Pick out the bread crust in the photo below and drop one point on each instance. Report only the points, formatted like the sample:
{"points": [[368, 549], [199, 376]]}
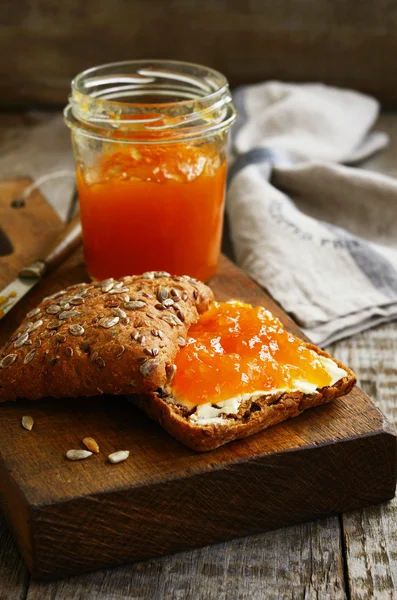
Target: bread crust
{"points": [[120, 348], [269, 410]]}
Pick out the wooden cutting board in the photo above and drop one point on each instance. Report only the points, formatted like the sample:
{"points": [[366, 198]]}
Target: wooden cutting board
{"points": [[74, 517]]}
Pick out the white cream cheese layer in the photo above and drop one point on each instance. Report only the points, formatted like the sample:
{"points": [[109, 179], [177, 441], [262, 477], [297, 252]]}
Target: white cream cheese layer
{"points": [[209, 414]]}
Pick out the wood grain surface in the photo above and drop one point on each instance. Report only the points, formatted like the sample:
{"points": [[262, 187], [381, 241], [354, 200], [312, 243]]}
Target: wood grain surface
{"points": [[332, 41], [370, 534], [303, 561]]}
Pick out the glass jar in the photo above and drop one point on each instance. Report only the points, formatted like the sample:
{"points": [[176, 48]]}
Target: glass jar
{"points": [[150, 142]]}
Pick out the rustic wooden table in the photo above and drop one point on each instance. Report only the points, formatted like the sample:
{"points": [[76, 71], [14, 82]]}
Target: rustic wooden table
{"points": [[353, 555]]}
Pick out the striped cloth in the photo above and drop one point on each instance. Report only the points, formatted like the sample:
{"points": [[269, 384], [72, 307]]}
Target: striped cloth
{"points": [[319, 234]]}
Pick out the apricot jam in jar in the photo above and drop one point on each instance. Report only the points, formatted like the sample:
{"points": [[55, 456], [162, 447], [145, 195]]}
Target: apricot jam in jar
{"points": [[150, 142]]}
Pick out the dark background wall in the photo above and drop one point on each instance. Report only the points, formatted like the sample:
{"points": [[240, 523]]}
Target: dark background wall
{"points": [[43, 43]]}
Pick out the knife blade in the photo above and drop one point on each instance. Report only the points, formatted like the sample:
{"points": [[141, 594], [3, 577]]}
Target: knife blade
{"points": [[56, 251]]}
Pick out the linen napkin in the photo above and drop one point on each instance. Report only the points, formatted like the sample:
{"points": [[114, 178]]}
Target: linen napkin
{"points": [[319, 235]]}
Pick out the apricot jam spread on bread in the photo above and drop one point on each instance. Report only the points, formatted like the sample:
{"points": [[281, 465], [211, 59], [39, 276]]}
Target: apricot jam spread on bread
{"points": [[235, 350]]}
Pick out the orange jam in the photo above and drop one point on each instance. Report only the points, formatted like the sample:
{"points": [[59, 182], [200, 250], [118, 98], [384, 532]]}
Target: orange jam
{"points": [[153, 207], [236, 349]]}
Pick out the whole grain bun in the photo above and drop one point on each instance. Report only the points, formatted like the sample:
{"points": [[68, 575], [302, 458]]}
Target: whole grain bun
{"points": [[113, 336], [253, 415]]}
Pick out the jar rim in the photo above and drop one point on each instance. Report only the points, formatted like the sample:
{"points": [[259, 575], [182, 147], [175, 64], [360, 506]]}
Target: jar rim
{"points": [[201, 99], [178, 63]]}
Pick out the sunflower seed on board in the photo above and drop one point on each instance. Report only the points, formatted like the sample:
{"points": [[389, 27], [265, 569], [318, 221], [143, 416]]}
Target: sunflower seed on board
{"points": [[119, 285], [68, 314], [184, 296], [78, 454], [181, 341], [120, 290], [134, 304], [119, 312], [148, 275], [23, 338], [33, 313], [141, 339], [53, 309], [108, 322], [76, 329], [158, 274], [119, 456], [91, 444], [54, 324], [29, 356], [27, 422], [135, 335], [149, 367]]}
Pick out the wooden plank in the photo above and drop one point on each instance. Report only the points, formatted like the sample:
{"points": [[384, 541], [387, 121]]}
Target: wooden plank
{"points": [[14, 576], [304, 561], [370, 534], [327, 460], [317, 40]]}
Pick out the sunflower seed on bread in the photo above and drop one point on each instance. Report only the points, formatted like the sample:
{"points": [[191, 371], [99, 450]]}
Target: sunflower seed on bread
{"points": [[52, 352]]}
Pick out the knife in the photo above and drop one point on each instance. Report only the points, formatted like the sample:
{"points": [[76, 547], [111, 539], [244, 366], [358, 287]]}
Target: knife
{"points": [[56, 251]]}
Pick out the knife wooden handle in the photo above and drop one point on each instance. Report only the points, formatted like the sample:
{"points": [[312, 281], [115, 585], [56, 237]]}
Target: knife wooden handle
{"points": [[57, 250]]}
